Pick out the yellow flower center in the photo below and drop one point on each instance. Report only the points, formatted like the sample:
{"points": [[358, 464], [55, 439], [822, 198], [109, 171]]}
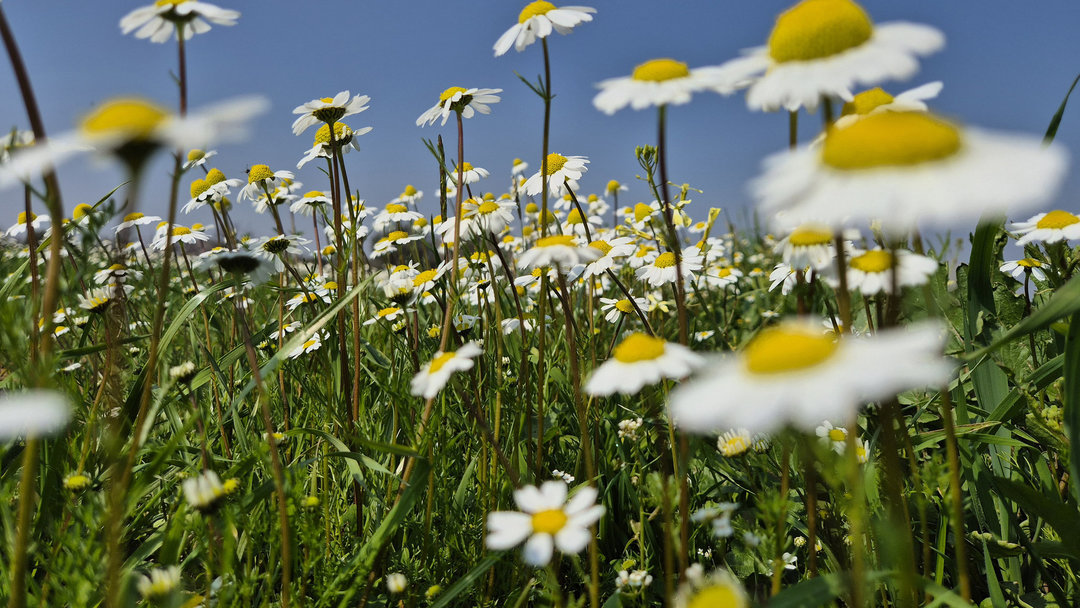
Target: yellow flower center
{"points": [[195, 155], [215, 176], [813, 29], [723, 272], [716, 596], [396, 208], [665, 260], [873, 261], [308, 345], [81, 211], [624, 306], [642, 211], [397, 235], [867, 102], [555, 162], [131, 216], [258, 173], [639, 347], [387, 311], [180, 231], [735, 445], [424, 277], [326, 99], [642, 251], [533, 9], [659, 70], [169, 2], [532, 208], [1057, 219], [22, 217], [448, 93], [438, 362], [549, 521], [564, 240], [602, 245], [487, 207], [808, 236], [341, 132], [133, 118], [410, 190], [574, 217], [420, 222], [786, 349], [837, 435], [613, 186], [198, 187], [330, 285], [890, 139], [1029, 263]]}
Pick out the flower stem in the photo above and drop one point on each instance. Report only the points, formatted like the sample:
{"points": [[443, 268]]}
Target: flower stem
{"points": [[22, 525]]}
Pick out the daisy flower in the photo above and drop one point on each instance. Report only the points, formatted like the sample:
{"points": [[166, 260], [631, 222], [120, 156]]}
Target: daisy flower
{"points": [[180, 234], [313, 343], [306, 205], [469, 173], [488, 216], [273, 248], [640, 360], [185, 18], [518, 168], [209, 189], [409, 196], [610, 249], [1023, 266], [204, 491], [1051, 227], [659, 82], [434, 375], [871, 271], [796, 374], [717, 589], [662, 270], [328, 110], [537, 20], [559, 249], [345, 137], [559, 169], [877, 100], [722, 276], [459, 99], [19, 227], [394, 213], [389, 314], [546, 521], [904, 168], [32, 413], [389, 243], [262, 178], [734, 443], [425, 280], [132, 128], [159, 583], [822, 48], [809, 245], [618, 309], [197, 157], [835, 437]]}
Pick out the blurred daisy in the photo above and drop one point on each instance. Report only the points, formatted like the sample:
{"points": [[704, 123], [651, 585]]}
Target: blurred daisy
{"points": [[204, 491], [659, 82], [559, 169], [459, 99], [734, 443], [198, 158], [903, 168], [537, 20], [32, 413], [312, 344], [131, 129], [559, 249], [618, 309], [640, 360], [547, 520], [822, 48], [328, 110], [1024, 266], [389, 314], [307, 204], [717, 589], [796, 374], [662, 270], [871, 272], [393, 214], [1051, 227], [180, 235], [409, 196], [389, 243], [434, 375], [833, 436], [809, 245], [876, 100], [185, 18], [159, 583], [19, 227]]}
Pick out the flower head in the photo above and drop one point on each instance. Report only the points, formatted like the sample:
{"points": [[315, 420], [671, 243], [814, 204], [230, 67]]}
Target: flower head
{"points": [[434, 375], [328, 110], [659, 82], [461, 100], [184, 17], [537, 20], [640, 360], [546, 521]]}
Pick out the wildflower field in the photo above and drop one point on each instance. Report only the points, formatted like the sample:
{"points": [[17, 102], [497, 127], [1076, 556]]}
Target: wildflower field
{"points": [[548, 387]]}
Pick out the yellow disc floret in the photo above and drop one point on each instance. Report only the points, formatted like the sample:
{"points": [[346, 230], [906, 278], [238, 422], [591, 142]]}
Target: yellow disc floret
{"points": [[890, 139], [80, 211], [813, 29], [215, 176], [131, 118], [555, 162], [198, 187], [1057, 219], [438, 362], [717, 596], [639, 347], [533, 9], [787, 349], [396, 208], [664, 260], [564, 240], [450, 92], [873, 261], [549, 521], [807, 236], [258, 173], [659, 70], [625, 306], [602, 245], [867, 102]]}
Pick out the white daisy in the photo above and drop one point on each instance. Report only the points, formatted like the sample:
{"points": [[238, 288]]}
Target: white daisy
{"points": [[559, 169], [662, 270], [1051, 227], [877, 100], [809, 245], [659, 82], [388, 314], [459, 99], [328, 110], [307, 204], [180, 234], [558, 249], [273, 248], [32, 413], [547, 520], [198, 158], [393, 214], [159, 583], [620, 309], [469, 173], [163, 18], [537, 20], [720, 588], [312, 344], [640, 360], [210, 189], [19, 227], [870, 272], [611, 250], [822, 48], [1023, 266], [796, 374], [203, 491], [903, 168], [409, 196], [345, 138], [434, 375], [488, 216]]}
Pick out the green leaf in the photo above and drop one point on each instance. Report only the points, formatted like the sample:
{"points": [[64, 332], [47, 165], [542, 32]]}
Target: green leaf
{"points": [[466, 581], [1064, 302], [1071, 398], [370, 551], [1055, 120]]}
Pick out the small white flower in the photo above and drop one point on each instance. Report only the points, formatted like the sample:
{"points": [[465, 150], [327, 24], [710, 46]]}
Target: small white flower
{"points": [[396, 583], [34, 413], [546, 521], [640, 360], [459, 99], [434, 375], [537, 20]]}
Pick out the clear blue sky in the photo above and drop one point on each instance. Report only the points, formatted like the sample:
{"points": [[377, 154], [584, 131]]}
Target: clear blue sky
{"points": [[1006, 65]]}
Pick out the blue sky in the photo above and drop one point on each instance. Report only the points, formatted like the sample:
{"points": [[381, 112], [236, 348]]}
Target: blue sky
{"points": [[1006, 65]]}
